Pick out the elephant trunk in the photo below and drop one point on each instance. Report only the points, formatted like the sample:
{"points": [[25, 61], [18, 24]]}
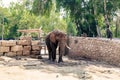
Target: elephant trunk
{"points": [[63, 47]]}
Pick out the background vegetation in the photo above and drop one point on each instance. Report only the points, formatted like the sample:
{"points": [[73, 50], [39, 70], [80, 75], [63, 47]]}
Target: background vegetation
{"points": [[74, 17]]}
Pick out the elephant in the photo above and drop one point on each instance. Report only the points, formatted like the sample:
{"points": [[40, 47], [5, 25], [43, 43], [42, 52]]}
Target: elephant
{"points": [[53, 40]]}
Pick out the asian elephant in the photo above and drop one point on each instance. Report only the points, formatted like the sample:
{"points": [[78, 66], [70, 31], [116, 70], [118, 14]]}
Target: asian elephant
{"points": [[53, 40]]}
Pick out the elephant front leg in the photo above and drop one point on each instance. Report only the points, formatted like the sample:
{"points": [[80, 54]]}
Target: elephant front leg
{"points": [[60, 57], [49, 53], [50, 57], [53, 54]]}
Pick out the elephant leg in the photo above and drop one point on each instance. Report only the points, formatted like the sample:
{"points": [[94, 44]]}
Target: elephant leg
{"points": [[49, 50], [60, 57], [50, 54], [53, 52]]}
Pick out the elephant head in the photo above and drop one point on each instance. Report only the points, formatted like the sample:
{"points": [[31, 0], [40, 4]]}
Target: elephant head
{"points": [[56, 39]]}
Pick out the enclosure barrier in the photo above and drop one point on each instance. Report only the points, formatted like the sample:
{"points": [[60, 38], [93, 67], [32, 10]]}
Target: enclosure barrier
{"points": [[21, 47], [95, 48]]}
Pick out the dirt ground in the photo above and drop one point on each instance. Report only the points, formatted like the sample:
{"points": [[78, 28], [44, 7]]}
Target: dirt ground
{"points": [[43, 69]]}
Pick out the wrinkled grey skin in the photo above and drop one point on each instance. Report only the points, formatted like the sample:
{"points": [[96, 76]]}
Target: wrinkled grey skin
{"points": [[53, 40]]}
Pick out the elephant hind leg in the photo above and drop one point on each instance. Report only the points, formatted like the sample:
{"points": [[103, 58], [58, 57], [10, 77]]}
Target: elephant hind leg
{"points": [[54, 54], [49, 52]]}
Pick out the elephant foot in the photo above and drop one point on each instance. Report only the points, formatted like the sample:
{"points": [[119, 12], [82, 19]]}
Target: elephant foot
{"points": [[49, 58], [53, 60], [40, 57], [60, 60]]}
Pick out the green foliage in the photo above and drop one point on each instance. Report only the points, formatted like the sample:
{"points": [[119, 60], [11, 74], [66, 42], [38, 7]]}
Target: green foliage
{"points": [[85, 13], [3, 21], [71, 29], [19, 16], [13, 32], [82, 16], [50, 23], [29, 21], [41, 7]]}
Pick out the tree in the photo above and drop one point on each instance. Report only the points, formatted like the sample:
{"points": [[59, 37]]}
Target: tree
{"points": [[85, 13], [3, 22], [117, 24], [41, 7]]}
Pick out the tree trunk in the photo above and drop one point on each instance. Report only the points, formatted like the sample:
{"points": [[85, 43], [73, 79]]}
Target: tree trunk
{"points": [[117, 26], [116, 30], [98, 31], [105, 15], [97, 27]]}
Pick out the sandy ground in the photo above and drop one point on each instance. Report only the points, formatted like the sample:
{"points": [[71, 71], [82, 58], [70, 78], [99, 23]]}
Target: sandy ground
{"points": [[43, 69]]}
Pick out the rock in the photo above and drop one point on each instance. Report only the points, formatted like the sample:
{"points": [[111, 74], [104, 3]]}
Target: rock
{"points": [[16, 48], [27, 48], [24, 42], [26, 52], [36, 47], [57, 76], [28, 38], [8, 43], [35, 52], [36, 42], [1, 59], [10, 54], [1, 53], [4, 49], [19, 53]]}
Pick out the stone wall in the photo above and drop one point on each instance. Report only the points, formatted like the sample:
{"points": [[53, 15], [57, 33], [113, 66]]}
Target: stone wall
{"points": [[95, 48], [13, 48]]}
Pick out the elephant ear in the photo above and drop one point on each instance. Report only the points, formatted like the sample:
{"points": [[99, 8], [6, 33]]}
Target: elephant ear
{"points": [[52, 37]]}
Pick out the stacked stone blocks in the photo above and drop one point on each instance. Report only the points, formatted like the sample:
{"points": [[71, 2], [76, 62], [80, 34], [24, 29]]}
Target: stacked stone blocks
{"points": [[19, 47]]}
